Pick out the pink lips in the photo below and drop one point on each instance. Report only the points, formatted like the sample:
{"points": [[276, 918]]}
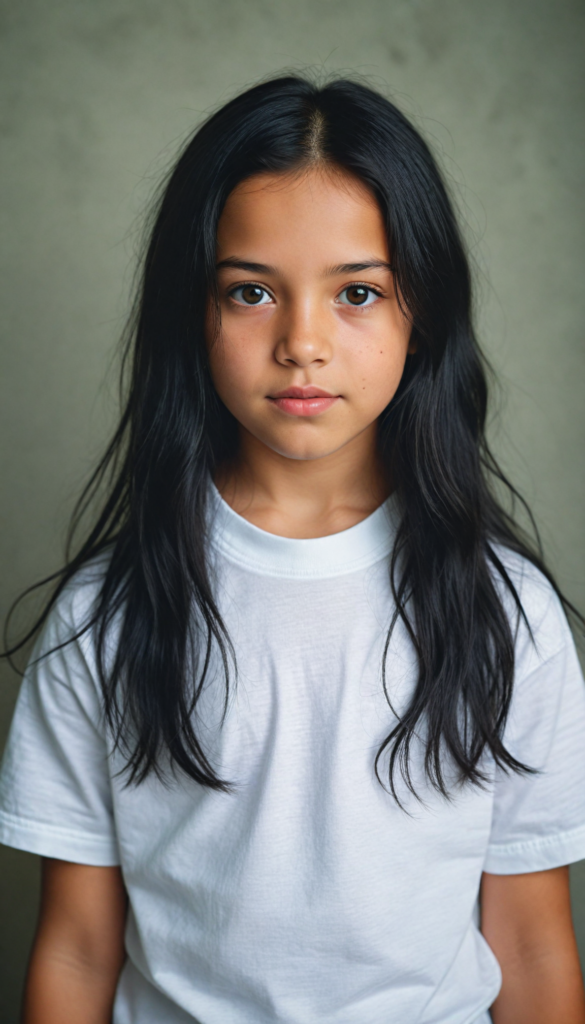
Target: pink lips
{"points": [[305, 401]]}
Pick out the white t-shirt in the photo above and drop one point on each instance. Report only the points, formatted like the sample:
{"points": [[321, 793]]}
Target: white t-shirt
{"points": [[307, 895]]}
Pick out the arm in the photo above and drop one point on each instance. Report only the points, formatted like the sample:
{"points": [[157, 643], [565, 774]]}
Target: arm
{"points": [[78, 949], [526, 919]]}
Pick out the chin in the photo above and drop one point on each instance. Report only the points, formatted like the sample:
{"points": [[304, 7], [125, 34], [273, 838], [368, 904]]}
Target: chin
{"points": [[303, 452]]}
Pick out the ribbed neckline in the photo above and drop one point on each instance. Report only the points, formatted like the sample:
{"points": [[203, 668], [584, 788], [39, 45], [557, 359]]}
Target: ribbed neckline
{"points": [[267, 554]]}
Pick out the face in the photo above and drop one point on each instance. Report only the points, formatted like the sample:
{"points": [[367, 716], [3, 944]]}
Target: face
{"points": [[312, 342]]}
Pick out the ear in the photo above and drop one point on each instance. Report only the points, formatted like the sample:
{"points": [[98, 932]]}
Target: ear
{"points": [[412, 345]]}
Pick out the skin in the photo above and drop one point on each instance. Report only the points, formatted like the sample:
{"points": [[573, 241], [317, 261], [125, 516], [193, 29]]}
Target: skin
{"points": [[303, 476], [526, 920], [78, 951]]}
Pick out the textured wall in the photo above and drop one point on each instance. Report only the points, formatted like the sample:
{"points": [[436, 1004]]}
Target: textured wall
{"points": [[96, 97]]}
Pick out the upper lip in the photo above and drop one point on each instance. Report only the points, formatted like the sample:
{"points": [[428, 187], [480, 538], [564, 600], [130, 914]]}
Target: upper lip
{"points": [[309, 391]]}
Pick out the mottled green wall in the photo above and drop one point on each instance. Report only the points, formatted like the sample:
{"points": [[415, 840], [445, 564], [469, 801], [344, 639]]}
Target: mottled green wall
{"points": [[96, 96]]}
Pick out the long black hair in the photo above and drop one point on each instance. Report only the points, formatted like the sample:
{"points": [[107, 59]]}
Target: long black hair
{"points": [[447, 577]]}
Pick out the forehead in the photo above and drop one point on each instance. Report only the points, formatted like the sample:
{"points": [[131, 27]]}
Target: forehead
{"points": [[320, 214]]}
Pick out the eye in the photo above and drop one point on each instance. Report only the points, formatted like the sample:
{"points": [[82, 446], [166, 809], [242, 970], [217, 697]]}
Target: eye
{"points": [[251, 295], [358, 295]]}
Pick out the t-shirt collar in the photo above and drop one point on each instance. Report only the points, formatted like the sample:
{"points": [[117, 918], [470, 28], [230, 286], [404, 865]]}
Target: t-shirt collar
{"points": [[317, 558]]}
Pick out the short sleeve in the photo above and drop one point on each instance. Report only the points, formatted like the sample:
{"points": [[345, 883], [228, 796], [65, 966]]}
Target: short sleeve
{"points": [[539, 819], [55, 793]]}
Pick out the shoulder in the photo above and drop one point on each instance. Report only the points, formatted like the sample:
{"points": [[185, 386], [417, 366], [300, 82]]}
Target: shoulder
{"points": [[70, 619], [62, 680], [541, 628]]}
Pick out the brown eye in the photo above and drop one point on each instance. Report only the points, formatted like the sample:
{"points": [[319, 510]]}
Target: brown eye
{"points": [[250, 295], [357, 295]]}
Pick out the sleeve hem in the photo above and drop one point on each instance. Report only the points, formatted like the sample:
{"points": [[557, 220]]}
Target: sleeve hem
{"points": [[47, 841], [536, 854]]}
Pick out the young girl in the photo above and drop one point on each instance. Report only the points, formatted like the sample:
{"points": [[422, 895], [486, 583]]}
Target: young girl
{"points": [[303, 737]]}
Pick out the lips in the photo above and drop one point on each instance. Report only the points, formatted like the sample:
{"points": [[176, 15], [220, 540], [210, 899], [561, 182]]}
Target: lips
{"points": [[309, 391], [303, 401]]}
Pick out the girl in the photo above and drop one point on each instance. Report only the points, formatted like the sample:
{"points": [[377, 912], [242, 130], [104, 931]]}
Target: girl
{"points": [[305, 692]]}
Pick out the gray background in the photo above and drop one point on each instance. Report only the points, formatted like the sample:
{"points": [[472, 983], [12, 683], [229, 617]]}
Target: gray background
{"points": [[96, 97]]}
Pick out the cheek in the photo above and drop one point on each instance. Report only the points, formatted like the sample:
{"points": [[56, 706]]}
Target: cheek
{"points": [[376, 369], [235, 369]]}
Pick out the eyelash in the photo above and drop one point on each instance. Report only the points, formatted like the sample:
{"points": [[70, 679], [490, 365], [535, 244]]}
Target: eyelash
{"points": [[361, 284], [248, 284], [254, 284]]}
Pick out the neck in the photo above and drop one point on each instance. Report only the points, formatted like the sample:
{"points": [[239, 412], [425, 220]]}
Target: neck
{"points": [[304, 497]]}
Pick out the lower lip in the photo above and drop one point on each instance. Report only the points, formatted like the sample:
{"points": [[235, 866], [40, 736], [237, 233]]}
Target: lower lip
{"points": [[304, 406]]}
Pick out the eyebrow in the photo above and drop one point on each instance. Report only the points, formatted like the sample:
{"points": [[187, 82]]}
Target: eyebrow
{"points": [[357, 268], [237, 264], [341, 268]]}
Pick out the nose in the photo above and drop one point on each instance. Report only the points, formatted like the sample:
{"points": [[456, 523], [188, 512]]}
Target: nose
{"points": [[303, 337]]}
